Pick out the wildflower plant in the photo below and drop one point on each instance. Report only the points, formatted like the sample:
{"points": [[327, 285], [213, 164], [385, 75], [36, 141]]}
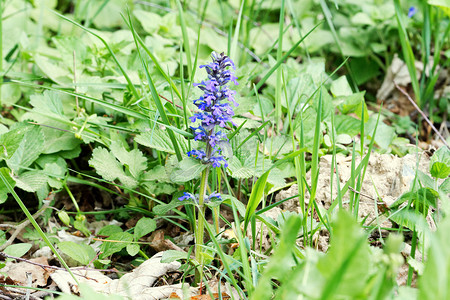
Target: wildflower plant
{"points": [[215, 115]]}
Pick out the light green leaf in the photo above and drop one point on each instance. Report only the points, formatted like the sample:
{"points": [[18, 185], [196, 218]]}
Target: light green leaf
{"points": [[435, 282], [82, 253], [173, 255], [255, 197], [3, 189], [31, 181], [440, 163], [187, 169], [109, 230], [143, 227], [346, 266], [133, 249], [109, 168], [17, 250], [28, 151], [135, 160], [118, 240]]}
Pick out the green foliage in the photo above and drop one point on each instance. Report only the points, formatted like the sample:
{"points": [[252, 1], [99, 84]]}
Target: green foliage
{"points": [[96, 98]]}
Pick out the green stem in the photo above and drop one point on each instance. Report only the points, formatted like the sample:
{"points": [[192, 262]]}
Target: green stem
{"points": [[200, 229]]}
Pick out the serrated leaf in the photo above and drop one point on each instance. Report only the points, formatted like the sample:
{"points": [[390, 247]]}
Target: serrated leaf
{"points": [[17, 250], [28, 151], [107, 166], [82, 253], [143, 227], [440, 170], [118, 240], [134, 159], [238, 170], [187, 169], [31, 181], [159, 139]]}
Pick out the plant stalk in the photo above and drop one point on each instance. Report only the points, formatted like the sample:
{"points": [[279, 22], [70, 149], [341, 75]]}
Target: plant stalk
{"points": [[200, 229]]}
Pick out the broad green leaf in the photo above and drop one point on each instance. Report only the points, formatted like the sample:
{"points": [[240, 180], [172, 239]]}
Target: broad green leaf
{"points": [[346, 265], [82, 253], [118, 240], [173, 255], [238, 170], [28, 151], [435, 282], [134, 159], [109, 168], [280, 260], [31, 181], [18, 250], [440, 170], [187, 169], [162, 209], [440, 163], [341, 87], [159, 139], [3, 189], [143, 227], [133, 249], [109, 230], [445, 186]]}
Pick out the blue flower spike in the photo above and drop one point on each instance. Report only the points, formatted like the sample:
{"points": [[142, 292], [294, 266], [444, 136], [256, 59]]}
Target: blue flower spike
{"points": [[215, 112]]}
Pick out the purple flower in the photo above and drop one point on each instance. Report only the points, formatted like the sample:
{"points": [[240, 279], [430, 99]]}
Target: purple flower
{"points": [[214, 112], [412, 11], [187, 196]]}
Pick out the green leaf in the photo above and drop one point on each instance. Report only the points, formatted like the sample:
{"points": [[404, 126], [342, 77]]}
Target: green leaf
{"points": [[440, 163], [255, 198], [187, 169], [3, 189], [173, 255], [28, 151], [435, 282], [280, 260], [82, 253], [118, 240], [159, 139], [134, 160], [32, 181], [445, 186], [440, 170], [109, 230], [133, 249], [143, 227], [17, 250], [109, 168], [346, 266]]}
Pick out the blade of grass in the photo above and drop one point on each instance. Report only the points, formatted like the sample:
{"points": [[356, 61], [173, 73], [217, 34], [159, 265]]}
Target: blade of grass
{"points": [[255, 198], [155, 94], [278, 110], [408, 54], [187, 48], [328, 17], [130, 84], [234, 42], [36, 226], [279, 62]]}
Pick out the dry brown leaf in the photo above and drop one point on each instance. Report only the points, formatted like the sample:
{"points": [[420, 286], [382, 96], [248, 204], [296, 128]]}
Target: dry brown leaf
{"points": [[135, 285], [17, 272]]}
